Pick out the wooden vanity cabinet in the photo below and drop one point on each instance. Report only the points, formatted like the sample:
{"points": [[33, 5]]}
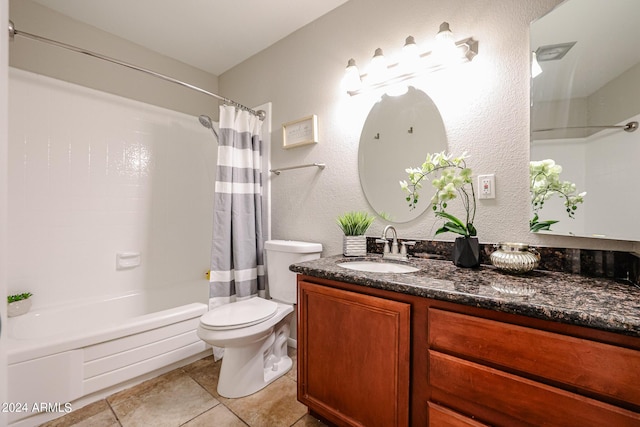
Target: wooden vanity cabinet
{"points": [[354, 369], [469, 367]]}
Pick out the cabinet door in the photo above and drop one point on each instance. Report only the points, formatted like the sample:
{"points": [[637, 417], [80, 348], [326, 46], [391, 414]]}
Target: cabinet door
{"points": [[353, 356]]}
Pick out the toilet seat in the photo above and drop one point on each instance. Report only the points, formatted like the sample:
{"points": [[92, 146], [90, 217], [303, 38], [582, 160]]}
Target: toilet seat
{"points": [[239, 314]]}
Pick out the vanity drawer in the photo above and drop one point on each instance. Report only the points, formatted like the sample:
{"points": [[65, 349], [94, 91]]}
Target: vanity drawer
{"points": [[442, 417], [460, 385], [599, 368]]}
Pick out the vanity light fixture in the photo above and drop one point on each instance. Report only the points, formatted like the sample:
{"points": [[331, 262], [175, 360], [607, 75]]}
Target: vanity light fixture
{"points": [[412, 63]]}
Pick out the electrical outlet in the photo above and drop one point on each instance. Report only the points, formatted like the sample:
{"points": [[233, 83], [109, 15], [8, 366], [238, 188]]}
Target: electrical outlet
{"points": [[486, 186]]}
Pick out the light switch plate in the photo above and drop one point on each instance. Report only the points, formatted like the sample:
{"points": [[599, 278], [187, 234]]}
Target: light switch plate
{"points": [[486, 186]]}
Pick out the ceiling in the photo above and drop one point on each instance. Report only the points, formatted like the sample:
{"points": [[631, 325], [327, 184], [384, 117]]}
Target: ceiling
{"points": [[212, 35]]}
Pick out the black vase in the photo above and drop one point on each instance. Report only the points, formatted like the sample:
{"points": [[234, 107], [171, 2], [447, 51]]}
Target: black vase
{"points": [[466, 252]]}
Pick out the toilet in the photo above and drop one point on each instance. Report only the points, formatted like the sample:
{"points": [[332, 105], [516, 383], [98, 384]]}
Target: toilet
{"points": [[254, 332]]}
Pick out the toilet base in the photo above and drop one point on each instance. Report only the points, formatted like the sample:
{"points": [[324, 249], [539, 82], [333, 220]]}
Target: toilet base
{"points": [[250, 368]]}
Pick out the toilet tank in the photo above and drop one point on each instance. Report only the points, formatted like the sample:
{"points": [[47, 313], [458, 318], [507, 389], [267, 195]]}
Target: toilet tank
{"points": [[280, 254]]}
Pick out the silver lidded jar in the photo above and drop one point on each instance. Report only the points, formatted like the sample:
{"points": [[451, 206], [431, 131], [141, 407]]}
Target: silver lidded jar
{"points": [[515, 257]]}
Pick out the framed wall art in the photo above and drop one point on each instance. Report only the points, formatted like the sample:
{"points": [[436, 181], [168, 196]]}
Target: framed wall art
{"points": [[300, 132]]}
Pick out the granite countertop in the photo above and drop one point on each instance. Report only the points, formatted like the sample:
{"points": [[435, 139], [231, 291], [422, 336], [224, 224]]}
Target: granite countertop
{"points": [[568, 298]]}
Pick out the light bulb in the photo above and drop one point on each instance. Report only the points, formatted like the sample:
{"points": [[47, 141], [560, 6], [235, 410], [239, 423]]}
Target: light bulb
{"points": [[410, 57], [351, 80], [377, 71], [445, 52]]}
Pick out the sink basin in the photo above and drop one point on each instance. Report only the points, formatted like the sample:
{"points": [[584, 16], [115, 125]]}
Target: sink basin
{"points": [[378, 267]]}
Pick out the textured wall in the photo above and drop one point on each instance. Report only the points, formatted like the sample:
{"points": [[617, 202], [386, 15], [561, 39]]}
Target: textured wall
{"points": [[484, 105]]}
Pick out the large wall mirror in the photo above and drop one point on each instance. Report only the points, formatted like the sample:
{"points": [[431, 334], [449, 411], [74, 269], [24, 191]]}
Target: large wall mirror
{"points": [[397, 134], [587, 92]]}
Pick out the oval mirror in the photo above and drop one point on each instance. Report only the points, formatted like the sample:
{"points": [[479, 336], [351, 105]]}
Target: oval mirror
{"points": [[398, 134]]}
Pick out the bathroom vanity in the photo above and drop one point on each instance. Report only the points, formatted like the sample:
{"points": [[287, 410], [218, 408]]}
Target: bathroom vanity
{"points": [[466, 347]]}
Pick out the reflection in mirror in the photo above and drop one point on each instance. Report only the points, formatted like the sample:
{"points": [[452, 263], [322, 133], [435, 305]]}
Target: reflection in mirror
{"points": [[584, 90], [398, 134]]}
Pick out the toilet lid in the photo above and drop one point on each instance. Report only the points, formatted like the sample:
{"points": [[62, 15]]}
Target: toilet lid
{"points": [[239, 314]]}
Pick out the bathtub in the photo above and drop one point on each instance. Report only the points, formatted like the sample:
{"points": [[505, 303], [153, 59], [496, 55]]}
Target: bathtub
{"points": [[58, 357]]}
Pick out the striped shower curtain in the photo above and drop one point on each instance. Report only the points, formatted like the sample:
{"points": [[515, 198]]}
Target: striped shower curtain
{"points": [[237, 266]]}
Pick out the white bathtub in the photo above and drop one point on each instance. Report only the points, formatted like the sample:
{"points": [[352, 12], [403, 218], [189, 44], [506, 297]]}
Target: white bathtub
{"points": [[58, 356]]}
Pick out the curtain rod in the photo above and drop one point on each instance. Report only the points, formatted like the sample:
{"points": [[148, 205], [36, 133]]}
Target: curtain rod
{"points": [[629, 127], [13, 32]]}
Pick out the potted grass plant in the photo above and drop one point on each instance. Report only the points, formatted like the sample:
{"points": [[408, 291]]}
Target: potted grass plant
{"points": [[18, 304], [354, 224]]}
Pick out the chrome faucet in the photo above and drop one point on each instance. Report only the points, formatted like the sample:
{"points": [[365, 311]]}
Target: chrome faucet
{"points": [[393, 252], [394, 243]]}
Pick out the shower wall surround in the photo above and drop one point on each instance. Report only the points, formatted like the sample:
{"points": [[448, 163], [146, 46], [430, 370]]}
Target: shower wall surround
{"points": [[92, 175]]}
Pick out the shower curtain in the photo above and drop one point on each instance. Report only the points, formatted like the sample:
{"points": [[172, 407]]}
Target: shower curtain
{"points": [[237, 263]]}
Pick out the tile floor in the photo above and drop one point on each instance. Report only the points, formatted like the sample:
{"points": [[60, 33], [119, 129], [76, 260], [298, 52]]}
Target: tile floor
{"points": [[187, 397]]}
